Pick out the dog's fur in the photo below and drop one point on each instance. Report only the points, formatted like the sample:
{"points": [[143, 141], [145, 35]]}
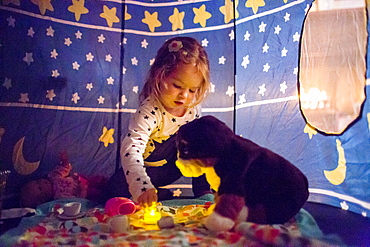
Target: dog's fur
{"points": [[272, 189]]}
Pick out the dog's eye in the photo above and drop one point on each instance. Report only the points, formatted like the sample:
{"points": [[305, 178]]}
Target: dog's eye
{"points": [[184, 147]]}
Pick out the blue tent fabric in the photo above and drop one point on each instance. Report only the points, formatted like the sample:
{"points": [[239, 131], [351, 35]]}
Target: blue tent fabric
{"points": [[71, 71]]}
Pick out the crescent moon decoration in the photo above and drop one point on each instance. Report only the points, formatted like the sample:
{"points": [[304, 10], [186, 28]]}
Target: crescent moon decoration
{"points": [[338, 175], [21, 165]]}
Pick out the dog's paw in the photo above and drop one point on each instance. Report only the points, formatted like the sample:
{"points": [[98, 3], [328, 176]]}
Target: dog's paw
{"points": [[217, 223]]}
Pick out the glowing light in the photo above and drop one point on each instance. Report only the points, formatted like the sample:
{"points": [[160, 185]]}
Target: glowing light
{"points": [[151, 215], [314, 98]]}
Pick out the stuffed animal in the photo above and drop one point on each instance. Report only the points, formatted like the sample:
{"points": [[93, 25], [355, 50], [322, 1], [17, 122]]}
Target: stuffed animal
{"points": [[256, 184]]}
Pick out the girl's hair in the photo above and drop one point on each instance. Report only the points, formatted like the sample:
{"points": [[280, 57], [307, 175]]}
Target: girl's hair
{"points": [[168, 60]]}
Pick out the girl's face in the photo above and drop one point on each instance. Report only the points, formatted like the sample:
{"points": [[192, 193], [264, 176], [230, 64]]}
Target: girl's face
{"points": [[179, 89]]}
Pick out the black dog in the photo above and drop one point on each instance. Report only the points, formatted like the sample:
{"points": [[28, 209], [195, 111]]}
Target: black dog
{"points": [[272, 189]]}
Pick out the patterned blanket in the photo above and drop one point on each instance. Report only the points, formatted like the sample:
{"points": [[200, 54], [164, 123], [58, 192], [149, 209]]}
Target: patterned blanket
{"points": [[92, 228]]}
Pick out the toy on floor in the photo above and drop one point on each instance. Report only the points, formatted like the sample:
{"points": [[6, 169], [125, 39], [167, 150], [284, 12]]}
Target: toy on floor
{"points": [[256, 184], [61, 183], [119, 206]]}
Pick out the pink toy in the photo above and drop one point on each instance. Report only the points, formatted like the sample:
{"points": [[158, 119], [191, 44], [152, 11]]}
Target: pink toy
{"points": [[119, 206]]}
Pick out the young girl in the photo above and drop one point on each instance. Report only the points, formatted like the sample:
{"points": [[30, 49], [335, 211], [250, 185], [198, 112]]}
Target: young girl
{"points": [[177, 82]]}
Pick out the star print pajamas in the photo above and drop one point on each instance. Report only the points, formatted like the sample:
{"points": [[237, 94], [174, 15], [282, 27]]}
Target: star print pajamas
{"points": [[148, 152]]}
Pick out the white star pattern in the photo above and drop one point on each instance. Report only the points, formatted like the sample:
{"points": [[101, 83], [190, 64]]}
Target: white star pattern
{"points": [[134, 61], [67, 41], [262, 89], [75, 98], [242, 99], [344, 205], [101, 38], [89, 86], [296, 37], [287, 17], [230, 91], [108, 58], [110, 81], [55, 73], [30, 32], [232, 35], [123, 100], [284, 52], [295, 71], [262, 27], [78, 34], [213, 87], [75, 65], [7, 83], [245, 61], [50, 31], [205, 42], [11, 21], [144, 44], [277, 29], [89, 57], [24, 98], [283, 87], [266, 67], [247, 35], [307, 8], [101, 100], [54, 54], [50, 94], [28, 58]]}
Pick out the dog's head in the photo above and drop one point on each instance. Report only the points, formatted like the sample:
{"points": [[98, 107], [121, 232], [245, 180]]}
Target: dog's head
{"points": [[206, 137]]}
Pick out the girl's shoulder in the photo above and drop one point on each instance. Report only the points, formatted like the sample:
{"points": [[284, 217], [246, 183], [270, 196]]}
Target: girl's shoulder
{"points": [[149, 102]]}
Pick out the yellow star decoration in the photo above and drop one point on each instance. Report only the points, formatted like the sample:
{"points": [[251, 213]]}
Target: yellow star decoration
{"points": [[177, 19], [107, 136], [228, 11], [127, 15], [151, 20], [309, 130], [109, 15], [78, 8], [177, 192], [254, 4], [285, 1], [43, 5], [201, 15]]}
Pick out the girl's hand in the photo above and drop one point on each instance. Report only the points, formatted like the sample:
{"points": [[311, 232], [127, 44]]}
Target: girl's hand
{"points": [[147, 198]]}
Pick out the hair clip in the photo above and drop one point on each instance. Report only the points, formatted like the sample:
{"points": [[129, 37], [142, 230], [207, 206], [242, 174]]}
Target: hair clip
{"points": [[175, 46]]}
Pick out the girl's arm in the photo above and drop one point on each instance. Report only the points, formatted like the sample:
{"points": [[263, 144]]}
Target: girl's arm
{"points": [[143, 123]]}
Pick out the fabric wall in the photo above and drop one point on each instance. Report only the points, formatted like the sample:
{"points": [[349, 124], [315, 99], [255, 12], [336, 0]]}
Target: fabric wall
{"points": [[71, 71]]}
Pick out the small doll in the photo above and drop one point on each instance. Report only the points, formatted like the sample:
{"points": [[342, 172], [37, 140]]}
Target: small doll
{"points": [[60, 183]]}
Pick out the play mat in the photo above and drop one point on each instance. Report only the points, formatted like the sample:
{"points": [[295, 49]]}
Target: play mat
{"points": [[92, 228]]}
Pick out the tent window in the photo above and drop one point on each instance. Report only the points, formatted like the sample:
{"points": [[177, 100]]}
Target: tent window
{"points": [[332, 64]]}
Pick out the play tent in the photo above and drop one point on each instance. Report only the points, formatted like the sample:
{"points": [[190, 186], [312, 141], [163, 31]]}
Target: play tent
{"points": [[71, 71]]}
